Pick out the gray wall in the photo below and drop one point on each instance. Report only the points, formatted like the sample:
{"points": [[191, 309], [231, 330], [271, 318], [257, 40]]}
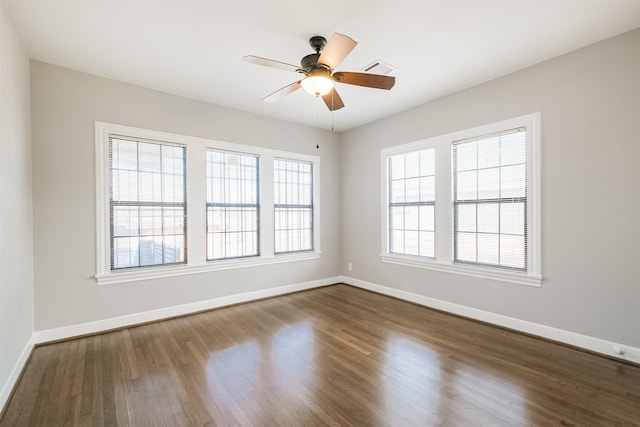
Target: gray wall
{"points": [[65, 104], [590, 105], [16, 238]]}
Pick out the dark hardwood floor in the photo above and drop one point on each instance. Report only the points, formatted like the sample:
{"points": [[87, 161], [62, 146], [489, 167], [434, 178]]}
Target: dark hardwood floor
{"points": [[330, 356]]}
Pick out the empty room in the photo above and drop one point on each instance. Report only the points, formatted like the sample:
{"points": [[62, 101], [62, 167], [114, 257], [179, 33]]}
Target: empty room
{"points": [[301, 213]]}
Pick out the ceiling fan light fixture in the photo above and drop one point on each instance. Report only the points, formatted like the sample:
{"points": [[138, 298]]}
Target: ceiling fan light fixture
{"points": [[317, 84]]}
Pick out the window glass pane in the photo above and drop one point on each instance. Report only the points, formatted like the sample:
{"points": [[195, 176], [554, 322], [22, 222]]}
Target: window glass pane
{"points": [[411, 244], [125, 185], [149, 158], [411, 218], [145, 231], [427, 218], [467, 185], [489, 153], [488, 218], [151, 221], [488, 183], [125, 252], [397, 191], [427, 162], [488, 249], [125, 221], [513, 181], [466, 218], [512, 251], [171, 247], [513, 148], [466, 247], [412, 165], [397, 217], [125, 155], [428, 189], [397, 167], [512, 218], [397, 241], [466, 156], [427, 244], [412, 190]]}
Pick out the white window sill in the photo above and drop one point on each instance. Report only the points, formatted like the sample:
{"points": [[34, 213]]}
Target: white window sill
{"points": [[465, 270], [133, 275]]}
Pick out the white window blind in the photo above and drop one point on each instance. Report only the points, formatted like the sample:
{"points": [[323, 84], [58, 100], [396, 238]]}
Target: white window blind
{"points": [[411, 203], [232, 205], [490, 200], [147, 203], [293, 206]]}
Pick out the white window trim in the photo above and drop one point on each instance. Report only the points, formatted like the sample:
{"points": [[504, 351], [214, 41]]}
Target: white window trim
{"points": [[444, 199], [196, 207]]}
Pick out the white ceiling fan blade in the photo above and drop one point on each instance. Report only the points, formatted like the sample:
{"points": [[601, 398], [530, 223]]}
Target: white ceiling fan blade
{"points": [[337, 48], [270, 63], [282, 92]]}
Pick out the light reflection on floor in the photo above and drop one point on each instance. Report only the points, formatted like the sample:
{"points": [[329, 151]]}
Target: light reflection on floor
{"points": [[244, 372], [292, 351], [429, 383], [488, 391], [416, 379], [410, 364]]}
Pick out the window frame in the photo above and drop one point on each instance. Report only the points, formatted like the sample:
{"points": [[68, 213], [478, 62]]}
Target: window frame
{"points": [[140, 203], [459, 203], [417, 204], [195, 226], [296, 206], [255, 205], [444, 245]]}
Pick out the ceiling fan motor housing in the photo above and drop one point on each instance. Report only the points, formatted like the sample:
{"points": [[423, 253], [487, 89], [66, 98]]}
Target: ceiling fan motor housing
{"points": [[309, 62]]}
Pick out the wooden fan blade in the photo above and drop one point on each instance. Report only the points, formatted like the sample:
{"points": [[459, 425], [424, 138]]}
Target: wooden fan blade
{"points": [[375, 81], [270, 63], [337, 48], [281, 93], [332, 100]]}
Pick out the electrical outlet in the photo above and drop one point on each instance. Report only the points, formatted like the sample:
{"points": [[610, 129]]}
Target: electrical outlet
{"points": [[349, 266]]}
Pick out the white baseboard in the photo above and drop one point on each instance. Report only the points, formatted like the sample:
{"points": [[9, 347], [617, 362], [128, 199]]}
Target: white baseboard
{"points": [[11, 381], [71, 331], [586, 342]]}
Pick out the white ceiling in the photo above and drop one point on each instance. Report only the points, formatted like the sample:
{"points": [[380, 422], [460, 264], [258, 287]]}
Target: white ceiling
{"points": [[194, 48]]}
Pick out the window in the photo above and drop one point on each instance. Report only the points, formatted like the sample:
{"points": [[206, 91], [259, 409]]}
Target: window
{"points": [[479, 191], [490, 200], [412, 203], [169, 205], [232, 205], [147, 203], [293, 206]]}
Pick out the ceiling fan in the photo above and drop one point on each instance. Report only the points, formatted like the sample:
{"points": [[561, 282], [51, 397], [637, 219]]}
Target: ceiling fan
{"points": [[318, 69]]}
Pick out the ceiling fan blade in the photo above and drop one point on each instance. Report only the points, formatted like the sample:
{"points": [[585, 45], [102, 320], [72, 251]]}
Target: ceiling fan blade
{"points": [[337, 48], [332, 100], [375, 81], [270, 63], [281, 93]]}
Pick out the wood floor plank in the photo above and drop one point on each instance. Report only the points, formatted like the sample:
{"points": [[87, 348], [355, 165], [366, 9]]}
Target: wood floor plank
{"points": [[336, 356]]}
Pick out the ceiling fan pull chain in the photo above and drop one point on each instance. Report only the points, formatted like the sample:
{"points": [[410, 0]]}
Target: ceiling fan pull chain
{"points": [[317, 122], [332, 96]]}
